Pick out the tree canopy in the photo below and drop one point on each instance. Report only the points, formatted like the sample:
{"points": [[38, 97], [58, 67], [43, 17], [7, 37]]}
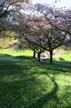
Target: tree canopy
{"points": [[46, 28]]}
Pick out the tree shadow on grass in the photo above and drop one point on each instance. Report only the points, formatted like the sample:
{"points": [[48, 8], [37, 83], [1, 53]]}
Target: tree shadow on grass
{"points": [[29, 63], [60, 62], [63, 62], [14, 67], [42, 100], [19, 86], [17, 93], [25, 93]]}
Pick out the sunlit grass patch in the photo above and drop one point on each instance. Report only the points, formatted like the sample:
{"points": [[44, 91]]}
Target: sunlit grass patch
{"points": [[12, 52], [64, 56]]}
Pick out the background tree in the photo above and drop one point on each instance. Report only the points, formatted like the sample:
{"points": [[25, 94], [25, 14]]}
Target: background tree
{"points": [[45, 27], [5, 7], [58, 33]]}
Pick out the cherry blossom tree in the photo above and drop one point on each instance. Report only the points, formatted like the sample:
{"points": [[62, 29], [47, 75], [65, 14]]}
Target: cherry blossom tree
{"points": [[45, 27]]}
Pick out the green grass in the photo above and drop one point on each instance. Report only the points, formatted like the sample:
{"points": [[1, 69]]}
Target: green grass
{"points": [[26, 83], [16, 52], [65, 56]]}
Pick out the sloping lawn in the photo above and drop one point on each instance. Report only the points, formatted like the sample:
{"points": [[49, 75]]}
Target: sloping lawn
{"points": [[16, 52], [65, 56], [26, 83]]}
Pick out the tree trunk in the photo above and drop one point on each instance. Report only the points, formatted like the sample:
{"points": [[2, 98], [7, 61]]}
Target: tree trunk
{"points": [[38, 55], [34, 54], [51, 56]]}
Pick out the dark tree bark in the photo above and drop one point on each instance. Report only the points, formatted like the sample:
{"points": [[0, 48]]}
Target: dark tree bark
{"points": [[34, 54], [51, 56], [38, 56]]}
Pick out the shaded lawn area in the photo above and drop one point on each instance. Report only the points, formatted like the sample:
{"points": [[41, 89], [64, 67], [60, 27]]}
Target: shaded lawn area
{"points": [[30, 84]]}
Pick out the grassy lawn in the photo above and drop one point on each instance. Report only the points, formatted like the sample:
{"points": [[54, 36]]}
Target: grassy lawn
{"points": [[17, 52], [26, 83], [65, 56]]}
